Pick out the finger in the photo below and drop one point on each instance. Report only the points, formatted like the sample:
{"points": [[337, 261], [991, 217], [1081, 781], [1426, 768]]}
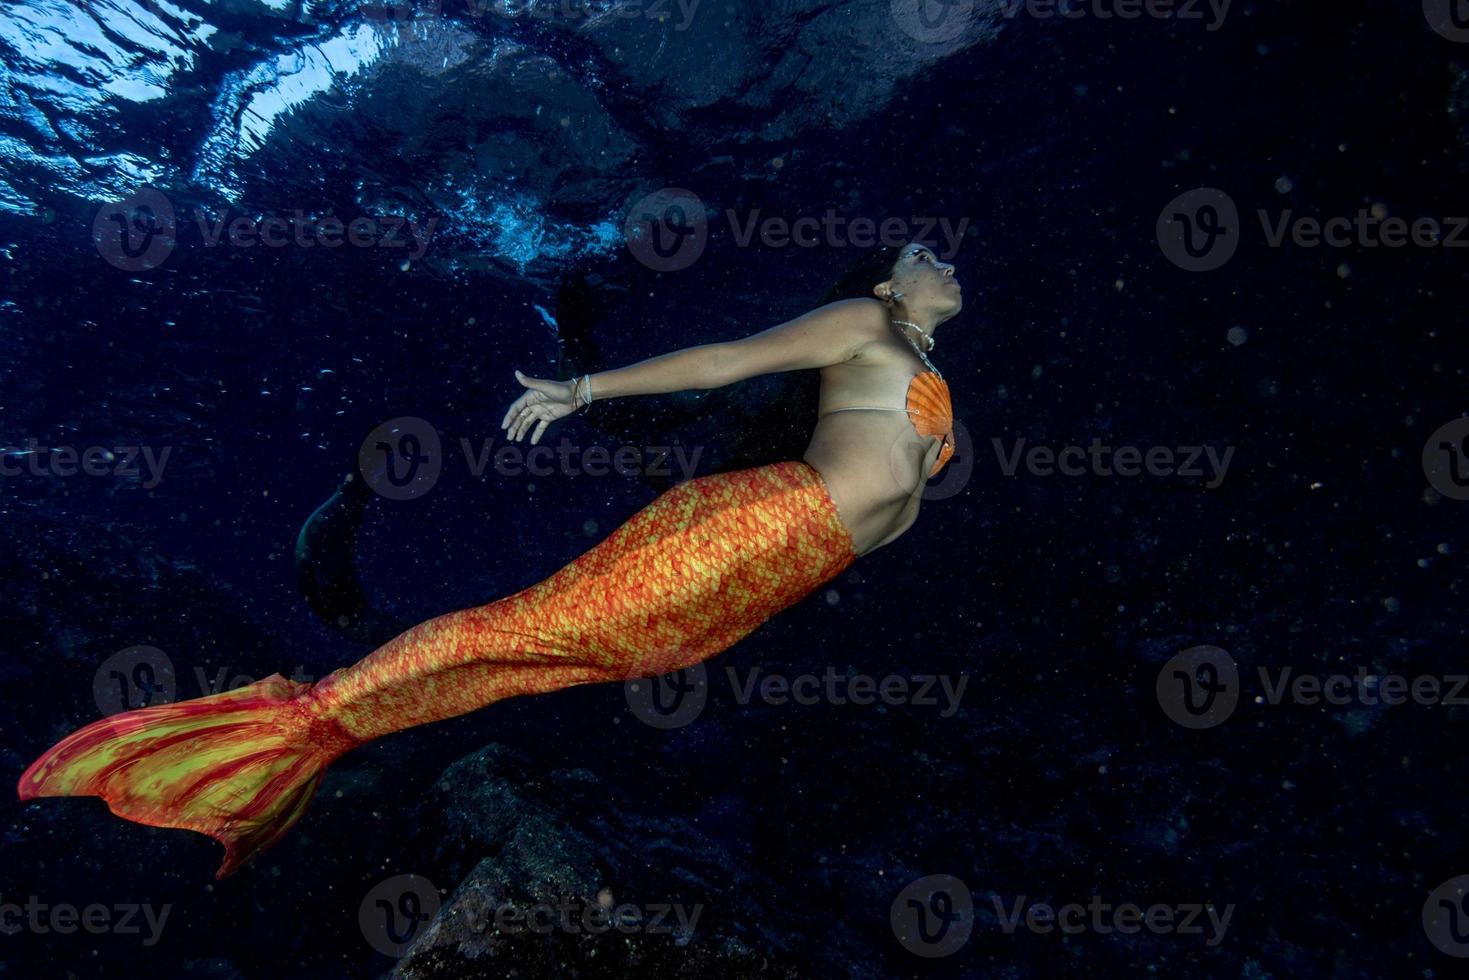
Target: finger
{"points": [[540, 430], [529, 412], [514, 409], [527, 419], [536, 384]]}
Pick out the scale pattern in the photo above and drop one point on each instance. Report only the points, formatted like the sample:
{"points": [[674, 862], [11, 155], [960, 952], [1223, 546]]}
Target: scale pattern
{"points": [[686, 577]]}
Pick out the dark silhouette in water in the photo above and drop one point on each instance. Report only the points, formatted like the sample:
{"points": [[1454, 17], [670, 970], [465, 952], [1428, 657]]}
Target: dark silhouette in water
{"points": [[326, 571]]}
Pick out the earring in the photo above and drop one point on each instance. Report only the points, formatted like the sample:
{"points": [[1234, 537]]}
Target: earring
{"points": [[894, 296]]}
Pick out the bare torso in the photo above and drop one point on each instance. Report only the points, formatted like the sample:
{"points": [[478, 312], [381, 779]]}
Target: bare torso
{"points": [[874, 462]]}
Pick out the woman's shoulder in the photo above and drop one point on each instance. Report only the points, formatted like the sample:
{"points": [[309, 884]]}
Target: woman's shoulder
{"points": [[865, 310], [864, 318]]}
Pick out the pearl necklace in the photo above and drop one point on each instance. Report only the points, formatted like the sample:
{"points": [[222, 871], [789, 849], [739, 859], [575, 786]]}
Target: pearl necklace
{"points": [[916, 349]]}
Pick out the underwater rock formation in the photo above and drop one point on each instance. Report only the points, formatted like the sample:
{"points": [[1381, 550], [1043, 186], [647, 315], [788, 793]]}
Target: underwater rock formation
{"points": [[563, 880]]}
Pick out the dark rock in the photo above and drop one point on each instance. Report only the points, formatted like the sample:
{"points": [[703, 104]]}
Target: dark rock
{"points": [[625, 891]]}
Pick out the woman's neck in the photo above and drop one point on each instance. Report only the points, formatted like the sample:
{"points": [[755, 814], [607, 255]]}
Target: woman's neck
{"points": [[915, 325]]}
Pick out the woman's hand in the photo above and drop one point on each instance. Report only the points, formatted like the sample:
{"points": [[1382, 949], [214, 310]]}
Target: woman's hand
{"points": [[544, 402]]}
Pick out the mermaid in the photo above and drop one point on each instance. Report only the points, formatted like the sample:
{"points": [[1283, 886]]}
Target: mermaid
{"points": [[685, 578]]}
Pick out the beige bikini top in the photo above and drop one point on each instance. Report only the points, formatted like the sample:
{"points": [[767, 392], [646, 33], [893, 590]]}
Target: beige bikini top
{"points": [[929, 409]]}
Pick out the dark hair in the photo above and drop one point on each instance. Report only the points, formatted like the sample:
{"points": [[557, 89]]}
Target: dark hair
{"points": [[872, 267], [780, 428]]}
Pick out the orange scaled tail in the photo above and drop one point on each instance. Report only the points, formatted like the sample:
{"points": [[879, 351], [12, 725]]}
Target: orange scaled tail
{"points": [[239, 766], [683, 579]]}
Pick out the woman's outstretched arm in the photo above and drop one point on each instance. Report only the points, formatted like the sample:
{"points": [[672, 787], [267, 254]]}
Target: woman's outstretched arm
{"points": [[827, 335]]}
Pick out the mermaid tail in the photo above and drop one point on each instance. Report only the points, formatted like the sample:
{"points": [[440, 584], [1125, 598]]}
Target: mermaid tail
{"points": [[239, 766], [686, 577]]}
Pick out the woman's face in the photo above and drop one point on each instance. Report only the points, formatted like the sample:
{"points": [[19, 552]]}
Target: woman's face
{"points": [[926, 283]]}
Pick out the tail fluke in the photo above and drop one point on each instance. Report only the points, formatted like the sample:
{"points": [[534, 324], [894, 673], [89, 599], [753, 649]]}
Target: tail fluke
{"points": [[239, 766]]}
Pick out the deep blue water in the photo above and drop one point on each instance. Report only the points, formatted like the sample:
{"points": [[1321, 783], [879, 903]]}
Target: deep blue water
{"points": [[524, 134]]}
